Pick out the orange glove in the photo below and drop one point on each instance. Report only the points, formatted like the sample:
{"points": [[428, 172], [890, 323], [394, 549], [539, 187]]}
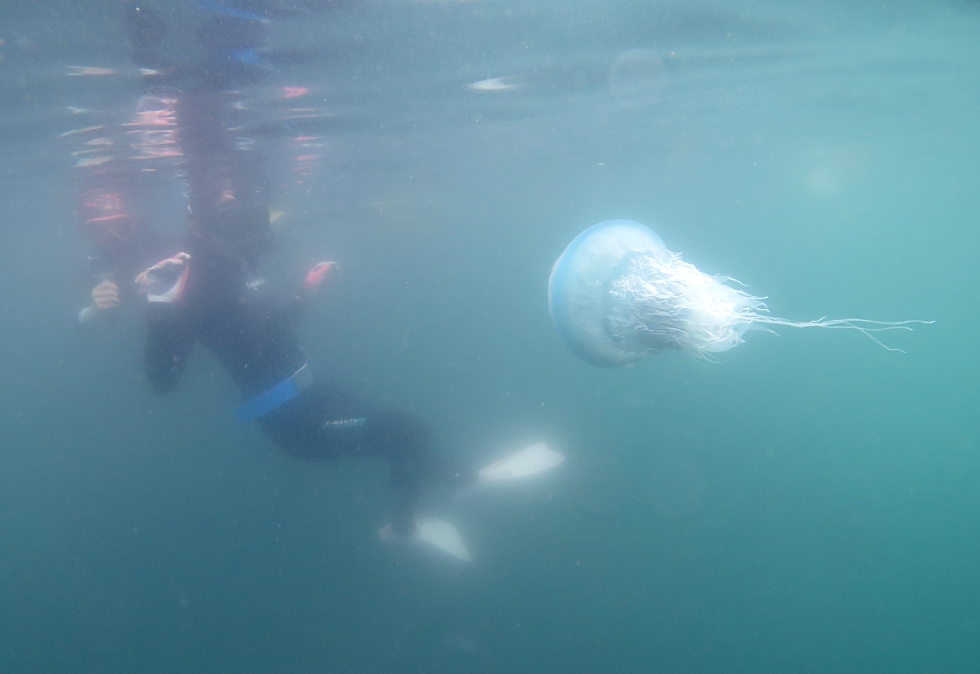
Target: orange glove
{"points": [[317, 274], [164, 281]]}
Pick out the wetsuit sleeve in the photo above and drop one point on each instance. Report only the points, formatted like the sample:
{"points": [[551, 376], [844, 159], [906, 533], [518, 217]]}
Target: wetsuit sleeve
{"points": [[294, 308], [168, 344]]}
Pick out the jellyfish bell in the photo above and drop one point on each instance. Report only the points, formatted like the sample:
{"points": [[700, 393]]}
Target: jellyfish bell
{"points": [[617, 294], [579, 287]]}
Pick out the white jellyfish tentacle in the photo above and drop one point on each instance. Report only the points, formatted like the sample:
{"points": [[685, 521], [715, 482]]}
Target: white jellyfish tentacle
{"points": [[661, 302], [862, 325]]}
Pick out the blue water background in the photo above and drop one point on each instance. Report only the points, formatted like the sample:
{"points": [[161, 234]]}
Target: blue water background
{"points": [[810, 503]]}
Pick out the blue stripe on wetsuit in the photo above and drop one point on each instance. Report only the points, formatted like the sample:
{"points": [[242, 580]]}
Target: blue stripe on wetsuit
{"points": [[274, 397]]}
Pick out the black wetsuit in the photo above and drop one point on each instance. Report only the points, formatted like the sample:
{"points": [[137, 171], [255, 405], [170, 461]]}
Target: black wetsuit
{"points": [[252, 332], [245, 325]]}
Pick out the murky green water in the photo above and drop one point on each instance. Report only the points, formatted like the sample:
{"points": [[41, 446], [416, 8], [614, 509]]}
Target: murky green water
{"points": [[809, 503]]}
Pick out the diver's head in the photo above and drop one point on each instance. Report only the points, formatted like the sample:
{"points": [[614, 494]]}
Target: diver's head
{"points": [[239, 233]]}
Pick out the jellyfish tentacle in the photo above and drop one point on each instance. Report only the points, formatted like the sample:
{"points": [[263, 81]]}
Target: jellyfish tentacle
{"points": [[662, 302], [863, 325]]}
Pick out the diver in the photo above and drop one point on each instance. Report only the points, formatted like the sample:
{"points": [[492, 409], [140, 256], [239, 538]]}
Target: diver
{"points": [[211, 295], [128, 195], [130, 172], [210, 292]]}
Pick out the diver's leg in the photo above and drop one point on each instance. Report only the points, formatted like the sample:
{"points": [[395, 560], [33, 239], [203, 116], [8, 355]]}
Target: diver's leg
{"points": [[324, 423], [403, 441]]}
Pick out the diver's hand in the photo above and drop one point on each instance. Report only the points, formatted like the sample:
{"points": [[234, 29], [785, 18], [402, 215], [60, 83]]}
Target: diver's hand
{"points": [[317, 275], [164, 281], [105, 297]]}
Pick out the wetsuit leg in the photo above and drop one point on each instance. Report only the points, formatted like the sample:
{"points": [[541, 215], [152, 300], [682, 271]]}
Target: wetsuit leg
{"points": [[404, 442], [324, 423]]}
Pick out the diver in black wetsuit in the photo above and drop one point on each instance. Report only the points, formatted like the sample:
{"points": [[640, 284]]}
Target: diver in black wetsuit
{"points": [[121, 166], [197, 60], [210, 296], [210, 293]]}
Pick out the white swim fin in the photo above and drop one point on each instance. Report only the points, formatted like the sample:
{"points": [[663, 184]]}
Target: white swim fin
{"points": [[530, 461], [431, 532]]}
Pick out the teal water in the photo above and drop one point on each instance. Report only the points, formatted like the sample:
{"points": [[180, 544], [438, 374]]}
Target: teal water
{"points": [[809, 503]]}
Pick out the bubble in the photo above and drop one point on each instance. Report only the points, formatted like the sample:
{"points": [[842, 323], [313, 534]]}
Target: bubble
{"points": [[676, 488], [637, 79]]}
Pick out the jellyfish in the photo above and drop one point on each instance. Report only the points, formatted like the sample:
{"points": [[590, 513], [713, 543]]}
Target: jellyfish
{"points": [[617, 294]]}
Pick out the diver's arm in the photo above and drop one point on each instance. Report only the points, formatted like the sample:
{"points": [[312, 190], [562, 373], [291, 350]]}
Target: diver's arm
{"points": [[320, 272], [168, 344], [315, 281], [169, 338]]}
